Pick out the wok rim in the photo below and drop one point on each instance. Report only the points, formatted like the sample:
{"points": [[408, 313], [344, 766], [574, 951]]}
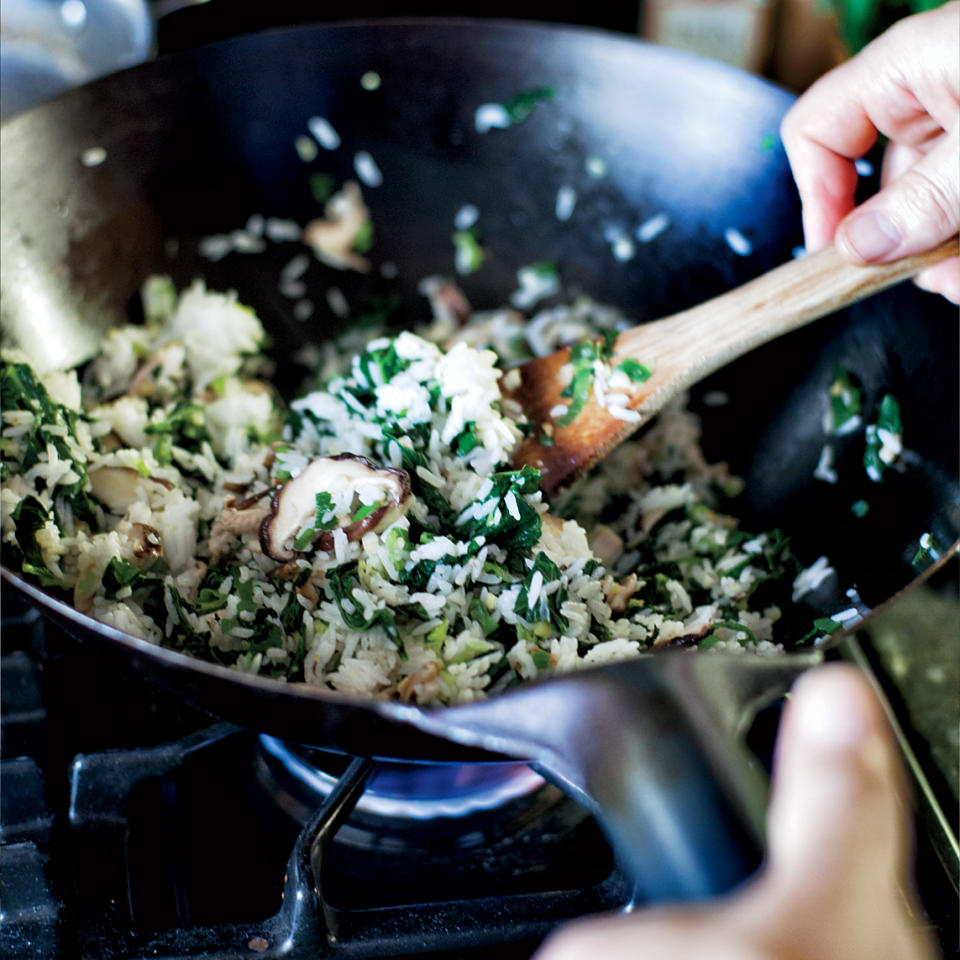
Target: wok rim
{"points": [[492, 24]]}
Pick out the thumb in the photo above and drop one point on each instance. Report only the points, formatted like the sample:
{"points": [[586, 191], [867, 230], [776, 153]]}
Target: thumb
{"points": [[912, 213], [837, 826]]}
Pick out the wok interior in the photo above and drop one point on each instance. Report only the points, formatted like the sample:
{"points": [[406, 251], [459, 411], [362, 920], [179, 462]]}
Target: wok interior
{"points": [[198, 142]]}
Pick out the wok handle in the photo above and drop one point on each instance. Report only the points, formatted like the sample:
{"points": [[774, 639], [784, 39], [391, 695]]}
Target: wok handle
{"points": [[654, 748], [682, 798], [685, 822]]}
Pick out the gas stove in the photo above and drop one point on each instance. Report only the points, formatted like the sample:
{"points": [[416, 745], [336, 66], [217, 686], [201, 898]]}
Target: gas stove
{"points": [[134, 826]]}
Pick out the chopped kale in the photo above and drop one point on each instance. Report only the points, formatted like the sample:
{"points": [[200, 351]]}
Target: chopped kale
{"points": [[121, 573], [466, 440], [583, 358], [479, 613], [28, 517], [547, 607], [883, 439], [845, 403], [343, 581], [364, 511], [185, 427], [636, 371], [364, 238], [520, 106], [822, 626], [21, 390], [497, 524], [929, 550], [540, 658], [469, 254]]}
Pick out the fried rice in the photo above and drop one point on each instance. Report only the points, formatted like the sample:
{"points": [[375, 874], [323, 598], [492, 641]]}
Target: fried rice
{"points": [[370, 537]]}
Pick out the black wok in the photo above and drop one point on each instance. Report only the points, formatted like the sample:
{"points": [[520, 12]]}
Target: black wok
{"points": [[197, 142]]}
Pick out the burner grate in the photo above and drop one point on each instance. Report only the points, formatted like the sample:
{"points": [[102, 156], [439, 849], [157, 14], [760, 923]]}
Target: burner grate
{"points": [[311, 913]]}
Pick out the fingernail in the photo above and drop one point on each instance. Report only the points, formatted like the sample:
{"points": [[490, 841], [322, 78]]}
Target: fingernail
{"points": [[829, 712], [872, 235]]}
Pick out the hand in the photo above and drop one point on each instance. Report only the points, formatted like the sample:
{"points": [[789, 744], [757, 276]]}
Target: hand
{"points": [[835, 880], [905, 85]]}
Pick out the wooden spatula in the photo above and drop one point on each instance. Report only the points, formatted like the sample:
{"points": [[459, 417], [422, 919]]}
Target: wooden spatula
{"points": [[679, 350]]}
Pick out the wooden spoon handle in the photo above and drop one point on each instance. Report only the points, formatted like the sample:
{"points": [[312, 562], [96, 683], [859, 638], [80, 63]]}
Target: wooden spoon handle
{"points": [[712, 334]]}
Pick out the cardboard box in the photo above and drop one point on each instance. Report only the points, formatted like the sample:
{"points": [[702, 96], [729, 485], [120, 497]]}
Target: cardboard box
{"points": [[738, 32]]}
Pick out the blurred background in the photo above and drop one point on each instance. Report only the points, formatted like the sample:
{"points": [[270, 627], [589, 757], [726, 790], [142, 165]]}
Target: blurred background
{"points": [[50, 45]]}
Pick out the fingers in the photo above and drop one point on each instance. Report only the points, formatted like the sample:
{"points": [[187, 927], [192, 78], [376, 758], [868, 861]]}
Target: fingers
{"points": [[838, 826], [834, 880], [676, 933], [915, 211], [944, 279], [835, 821], [823, 134], [905, 85]]}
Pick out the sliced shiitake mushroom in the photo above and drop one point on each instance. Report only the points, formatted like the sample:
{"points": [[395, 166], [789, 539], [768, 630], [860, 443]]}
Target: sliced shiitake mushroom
{"points": [[235, 520], [116, 487], [332, 238], [607, 546], [619, 594], [146, 541], [295, 503]]}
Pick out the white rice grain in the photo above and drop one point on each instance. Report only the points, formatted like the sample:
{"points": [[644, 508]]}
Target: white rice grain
{"points": [[466, 217], [811, 578], [324, 133], [367, 169], [491, 116], [565, 203], [737, 242], [652, 228]]}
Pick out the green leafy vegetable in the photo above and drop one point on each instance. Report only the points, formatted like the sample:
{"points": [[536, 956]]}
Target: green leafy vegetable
{"points": [[479, 613], [883, 438], [929, 551], [364, 238], [321, 186], [498, 524], [466, 440], [471, 650], [28, 517], [521, 106], [547, 607], [21, 390], [469, 254], [583, 357], [185, 427], [365, 511], [343, 581], [823, 626], [636, 371], [845, 403], [540, 658], [121, 573]]}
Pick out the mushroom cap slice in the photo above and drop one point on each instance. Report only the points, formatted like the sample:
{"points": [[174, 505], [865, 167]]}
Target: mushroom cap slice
{"points": [[295, 503]]}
